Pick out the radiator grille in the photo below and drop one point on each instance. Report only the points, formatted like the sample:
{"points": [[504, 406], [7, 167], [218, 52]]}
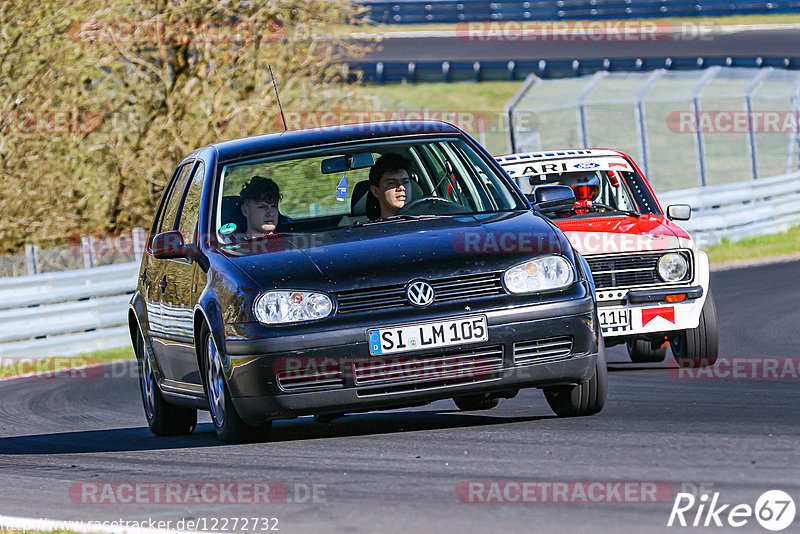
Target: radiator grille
{"points": [[309, 379], [541, 350], [446, 289], [624, 271]]}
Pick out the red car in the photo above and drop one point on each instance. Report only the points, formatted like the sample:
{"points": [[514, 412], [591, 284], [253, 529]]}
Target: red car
{"points": [[651, 280]]}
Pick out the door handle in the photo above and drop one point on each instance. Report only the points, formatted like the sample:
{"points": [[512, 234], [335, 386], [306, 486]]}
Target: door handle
{"points": [[163, 284], [143, 276]]}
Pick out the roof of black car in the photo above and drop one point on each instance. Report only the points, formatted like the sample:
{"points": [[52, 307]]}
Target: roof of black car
{"points": [[328, 135]]}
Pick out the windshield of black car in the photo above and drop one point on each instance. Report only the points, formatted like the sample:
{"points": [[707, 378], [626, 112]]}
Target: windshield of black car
{"points": [[442, 177]]}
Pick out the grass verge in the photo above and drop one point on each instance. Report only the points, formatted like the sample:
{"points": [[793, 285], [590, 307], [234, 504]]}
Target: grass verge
{"points": [[756, 247]]}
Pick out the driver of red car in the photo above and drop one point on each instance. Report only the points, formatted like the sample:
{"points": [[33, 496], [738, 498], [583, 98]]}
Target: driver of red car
{"points": [[390, 183], [587, 189]]}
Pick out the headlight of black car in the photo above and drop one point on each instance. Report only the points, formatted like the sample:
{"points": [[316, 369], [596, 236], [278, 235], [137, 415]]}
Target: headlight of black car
{"points": [[291, 306], [545, 273]]}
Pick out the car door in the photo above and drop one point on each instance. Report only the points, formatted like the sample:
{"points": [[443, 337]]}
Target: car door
{"points": [[156, 273], [180, 292]]}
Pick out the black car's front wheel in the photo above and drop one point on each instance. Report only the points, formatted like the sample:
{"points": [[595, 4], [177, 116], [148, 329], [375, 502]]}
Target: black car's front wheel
{"points": [[229, 426], [586, 398], [164, 419]]}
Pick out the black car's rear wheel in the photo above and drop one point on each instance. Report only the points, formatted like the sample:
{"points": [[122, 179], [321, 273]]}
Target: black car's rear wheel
{"points": [[229, 426], [642, 351], [587, 398], [698, 347], [164, 419]]}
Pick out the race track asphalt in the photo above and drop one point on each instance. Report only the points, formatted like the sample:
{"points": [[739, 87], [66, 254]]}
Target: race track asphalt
{"points": [[399, 471], [486, 47]]}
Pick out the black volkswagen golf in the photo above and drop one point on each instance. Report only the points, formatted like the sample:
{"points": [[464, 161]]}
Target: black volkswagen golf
{"points": [[356, 268]]}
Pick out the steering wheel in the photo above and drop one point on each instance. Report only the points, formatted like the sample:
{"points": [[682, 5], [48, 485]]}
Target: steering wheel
{"points": [[432, 206]]}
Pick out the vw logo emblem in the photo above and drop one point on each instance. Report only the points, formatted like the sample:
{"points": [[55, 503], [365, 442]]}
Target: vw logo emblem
{"points": [[420, 293]]}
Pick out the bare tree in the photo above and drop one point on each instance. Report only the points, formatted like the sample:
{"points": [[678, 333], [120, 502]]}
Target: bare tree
{"points": [[100, 100]]}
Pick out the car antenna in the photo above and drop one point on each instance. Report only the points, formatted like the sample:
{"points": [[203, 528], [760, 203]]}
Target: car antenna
{"points": [[275, 85]]}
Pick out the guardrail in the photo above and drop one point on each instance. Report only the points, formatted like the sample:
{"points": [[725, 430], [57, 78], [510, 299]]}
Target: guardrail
{"points": [[735, 211], [415, 11], [477, 71], [65, 313]]}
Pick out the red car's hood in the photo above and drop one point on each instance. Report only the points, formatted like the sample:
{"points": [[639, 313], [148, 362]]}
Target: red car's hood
{"points": [[607, 235]]}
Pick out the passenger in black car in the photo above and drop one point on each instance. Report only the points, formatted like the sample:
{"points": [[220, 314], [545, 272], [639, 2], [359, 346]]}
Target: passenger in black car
{"points": [[259, 205]]}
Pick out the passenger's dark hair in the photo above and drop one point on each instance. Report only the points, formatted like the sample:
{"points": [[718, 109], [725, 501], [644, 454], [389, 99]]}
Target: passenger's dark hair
{"points": [[260, 188], [388, 162]]}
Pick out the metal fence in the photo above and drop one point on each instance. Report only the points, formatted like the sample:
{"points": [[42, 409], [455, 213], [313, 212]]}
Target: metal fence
{"points": [[70, 299], [65, 313], [416, 11], [83, 252], [687, 129], [383, 72], [734, 211]]}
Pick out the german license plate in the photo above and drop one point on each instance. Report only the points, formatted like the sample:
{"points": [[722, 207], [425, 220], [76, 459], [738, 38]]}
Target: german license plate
{"points": [[421, 336], [614, 318]]}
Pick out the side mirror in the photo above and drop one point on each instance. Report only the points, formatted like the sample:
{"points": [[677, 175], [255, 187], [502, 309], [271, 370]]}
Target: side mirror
{"points": [[553, 198], [679, 212], [167, 245]]}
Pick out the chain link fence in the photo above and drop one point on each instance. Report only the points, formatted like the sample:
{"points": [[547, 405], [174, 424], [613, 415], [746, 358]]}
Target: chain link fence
{"points": [[686, 129], [84, 252]]}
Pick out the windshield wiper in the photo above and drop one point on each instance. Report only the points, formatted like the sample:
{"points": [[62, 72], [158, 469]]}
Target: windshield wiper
{"points": [[626, 212], [395, 218], [241, 239]]}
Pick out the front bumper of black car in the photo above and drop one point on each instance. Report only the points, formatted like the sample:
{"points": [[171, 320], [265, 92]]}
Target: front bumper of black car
{"points": [[330, 373]]}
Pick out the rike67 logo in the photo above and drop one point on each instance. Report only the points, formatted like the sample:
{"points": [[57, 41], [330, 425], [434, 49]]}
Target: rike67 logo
{"points": [[774, 510]]}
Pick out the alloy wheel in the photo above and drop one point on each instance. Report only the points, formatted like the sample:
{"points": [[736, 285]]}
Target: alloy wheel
{"points": [[216, 383]]}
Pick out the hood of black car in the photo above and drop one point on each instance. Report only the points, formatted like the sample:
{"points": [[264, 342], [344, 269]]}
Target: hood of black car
{"points": [[398, 251]]}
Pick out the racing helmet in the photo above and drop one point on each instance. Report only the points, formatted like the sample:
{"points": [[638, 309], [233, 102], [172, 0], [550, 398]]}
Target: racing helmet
{"points": [[587, 188]]}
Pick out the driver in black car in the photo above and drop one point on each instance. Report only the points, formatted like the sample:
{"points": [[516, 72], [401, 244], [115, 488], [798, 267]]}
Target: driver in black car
{"points": [[390, 183]]}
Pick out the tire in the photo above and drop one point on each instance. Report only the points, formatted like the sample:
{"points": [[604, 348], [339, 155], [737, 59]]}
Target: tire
{"points": [[587, 398], [229, 426], [472, 403], [698, 347], [164, 419], [641, 351]]}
